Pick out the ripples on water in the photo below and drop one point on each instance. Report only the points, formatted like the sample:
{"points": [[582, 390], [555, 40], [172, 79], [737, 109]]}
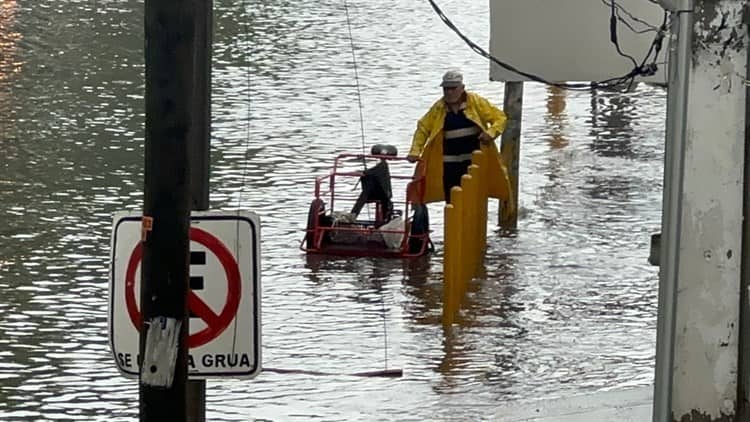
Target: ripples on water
{"points": [[567, 305]]}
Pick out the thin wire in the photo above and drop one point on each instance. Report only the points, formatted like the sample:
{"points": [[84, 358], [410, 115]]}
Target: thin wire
{"points": [[622, 10], [613, 34], [356, 79], [248, 116], [385, 330], [364, 161], [359, 94], [245, 166]]}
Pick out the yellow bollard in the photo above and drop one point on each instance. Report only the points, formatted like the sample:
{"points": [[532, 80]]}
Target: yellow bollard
{"points": [[468, 227], [449, 266], [465, 236], [466, 230], [457, 196], [478, 158], [478, 221]]}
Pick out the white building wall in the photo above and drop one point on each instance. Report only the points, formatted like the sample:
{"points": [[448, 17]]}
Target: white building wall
{"points": [[568, 40]]}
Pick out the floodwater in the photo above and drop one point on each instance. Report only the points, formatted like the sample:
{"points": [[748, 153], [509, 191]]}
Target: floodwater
{"points": [[567, 303]]}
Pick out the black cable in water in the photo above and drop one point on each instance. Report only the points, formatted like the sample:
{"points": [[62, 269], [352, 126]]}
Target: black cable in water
{"points": [[389, 373]]}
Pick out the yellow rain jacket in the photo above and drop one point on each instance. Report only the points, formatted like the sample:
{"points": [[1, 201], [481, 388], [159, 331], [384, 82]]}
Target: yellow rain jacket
{"points": [[428, 145]]}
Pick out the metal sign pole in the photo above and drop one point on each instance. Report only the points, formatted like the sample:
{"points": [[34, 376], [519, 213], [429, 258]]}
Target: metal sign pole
{"points": [[677, 104]]}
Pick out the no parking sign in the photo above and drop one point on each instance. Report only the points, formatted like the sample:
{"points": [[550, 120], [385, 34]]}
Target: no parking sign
{"points": [[224, 296]]}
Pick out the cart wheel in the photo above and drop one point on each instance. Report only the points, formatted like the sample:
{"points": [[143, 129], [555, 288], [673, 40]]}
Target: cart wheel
{"points": [[313, 222], [420, 226]]}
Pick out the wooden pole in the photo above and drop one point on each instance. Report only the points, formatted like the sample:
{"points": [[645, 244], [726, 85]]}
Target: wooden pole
{"points": [[200, 154], [511, 149], [169, 31]]}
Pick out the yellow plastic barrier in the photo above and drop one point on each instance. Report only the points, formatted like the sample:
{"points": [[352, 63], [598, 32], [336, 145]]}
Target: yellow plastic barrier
{"points": [[465, 236], [478, 158]]}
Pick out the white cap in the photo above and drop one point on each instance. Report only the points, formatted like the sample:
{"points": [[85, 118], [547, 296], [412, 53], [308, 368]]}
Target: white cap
{"points": [[452, 78]]}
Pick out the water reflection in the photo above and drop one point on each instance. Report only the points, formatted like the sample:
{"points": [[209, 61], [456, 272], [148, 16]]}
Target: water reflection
{"points": [[556, 134], [490, 303], [370, 278], [10, 65], [424, 291], [611, 130], [367, 274], [556, 117], [9, 38], [613, 137]]}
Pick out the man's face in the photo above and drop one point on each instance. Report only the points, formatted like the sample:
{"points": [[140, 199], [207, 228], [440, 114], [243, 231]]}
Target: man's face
{"points": [[453, 94]]}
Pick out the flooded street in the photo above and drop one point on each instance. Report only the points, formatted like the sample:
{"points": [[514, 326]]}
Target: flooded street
{"points": [[567, 303]]}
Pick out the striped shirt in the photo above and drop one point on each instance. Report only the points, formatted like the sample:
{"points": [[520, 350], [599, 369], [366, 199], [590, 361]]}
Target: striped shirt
{"points": [[460, 137]]}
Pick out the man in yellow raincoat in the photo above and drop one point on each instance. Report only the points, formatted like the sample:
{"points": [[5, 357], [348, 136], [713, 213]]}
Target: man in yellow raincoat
{"points": [[456, 125]]}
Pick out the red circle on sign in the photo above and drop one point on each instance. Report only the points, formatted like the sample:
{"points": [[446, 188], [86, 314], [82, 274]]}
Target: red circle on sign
{"points": [[216, 324]]}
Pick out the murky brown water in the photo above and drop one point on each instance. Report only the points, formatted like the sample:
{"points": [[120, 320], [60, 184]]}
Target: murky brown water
{"points": [[568, 304]]}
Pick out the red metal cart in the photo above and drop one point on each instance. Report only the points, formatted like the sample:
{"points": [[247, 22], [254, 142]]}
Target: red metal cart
{"points": [[354, 212]]}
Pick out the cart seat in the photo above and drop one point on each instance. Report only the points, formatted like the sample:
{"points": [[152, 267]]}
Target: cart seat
{"points": [[376, 187]]}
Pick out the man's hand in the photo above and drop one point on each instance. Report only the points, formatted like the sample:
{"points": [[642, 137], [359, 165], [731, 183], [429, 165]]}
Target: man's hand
{"points": [[412, 158], [485, 138]]}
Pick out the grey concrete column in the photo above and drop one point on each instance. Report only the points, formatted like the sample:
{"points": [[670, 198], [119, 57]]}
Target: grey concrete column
{"points": [[708, 291]]}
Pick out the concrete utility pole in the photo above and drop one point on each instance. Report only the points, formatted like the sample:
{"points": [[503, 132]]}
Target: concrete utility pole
{"points": [[697, 341], [169, 30]]}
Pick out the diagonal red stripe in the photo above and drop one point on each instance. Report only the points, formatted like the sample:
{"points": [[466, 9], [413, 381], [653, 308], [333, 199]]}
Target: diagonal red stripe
{"points": [[200, 309]]}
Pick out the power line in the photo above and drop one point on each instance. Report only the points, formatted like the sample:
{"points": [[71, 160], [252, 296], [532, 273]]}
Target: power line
{"points": [[621, 10]]}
